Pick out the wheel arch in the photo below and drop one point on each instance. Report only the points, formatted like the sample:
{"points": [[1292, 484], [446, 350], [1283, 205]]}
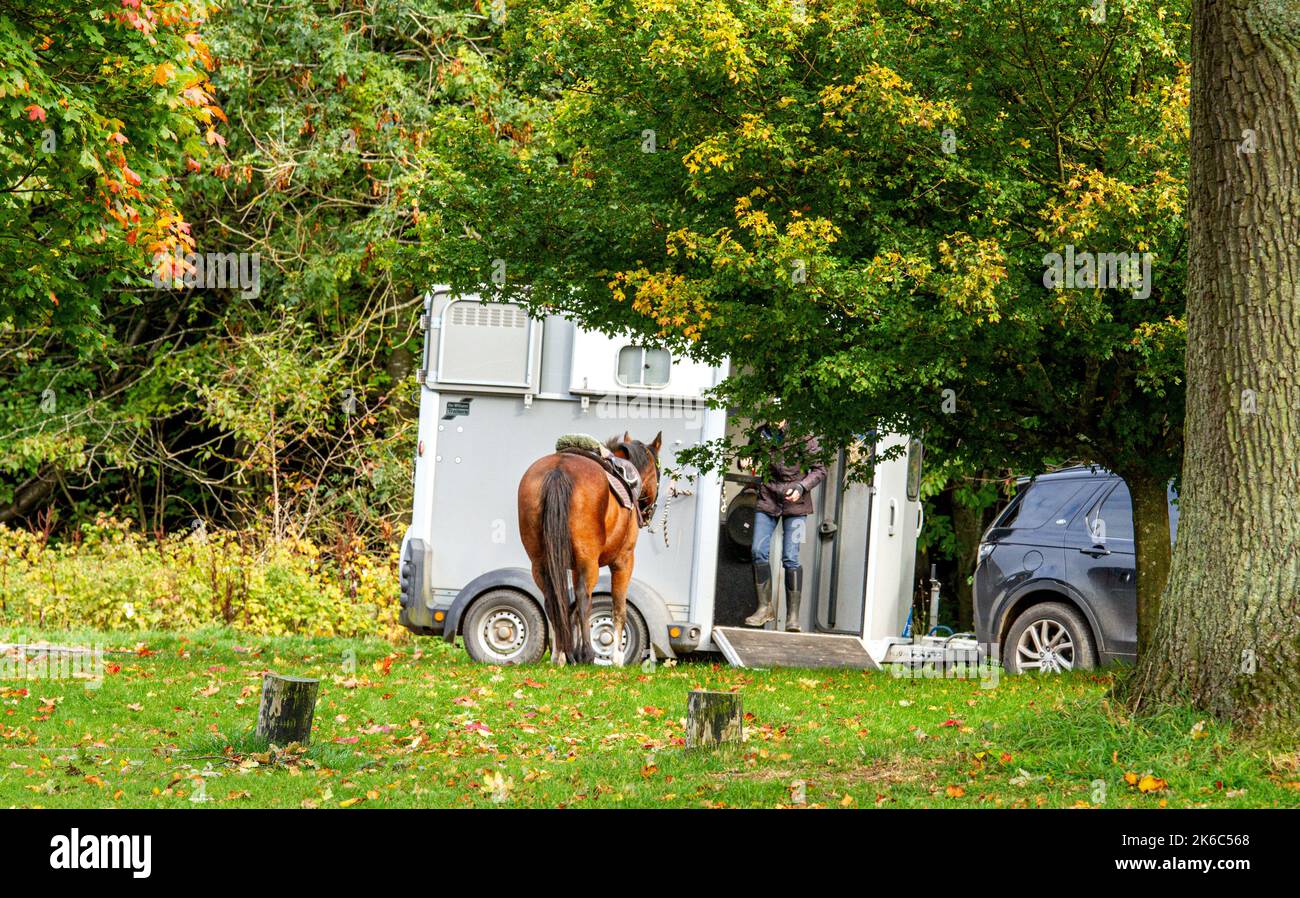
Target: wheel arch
{"points": [[1040, 593], [516, 579]]}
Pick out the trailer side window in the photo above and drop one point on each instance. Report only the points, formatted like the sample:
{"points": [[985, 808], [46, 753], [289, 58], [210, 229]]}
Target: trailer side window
{"points": [[640, 366]]}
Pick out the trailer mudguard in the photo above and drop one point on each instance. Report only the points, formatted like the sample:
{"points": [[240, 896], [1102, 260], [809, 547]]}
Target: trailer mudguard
{"points": [[648, 603]]}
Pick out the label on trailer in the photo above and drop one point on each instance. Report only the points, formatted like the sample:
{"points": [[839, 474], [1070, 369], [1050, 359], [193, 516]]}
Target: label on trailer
{"points": [[456, 409]]}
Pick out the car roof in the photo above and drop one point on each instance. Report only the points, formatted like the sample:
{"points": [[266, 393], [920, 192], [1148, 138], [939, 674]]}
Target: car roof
{"points": [[1073, 472]]}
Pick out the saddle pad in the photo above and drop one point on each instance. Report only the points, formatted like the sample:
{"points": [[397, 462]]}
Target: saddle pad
{"points": [[580, 441]]}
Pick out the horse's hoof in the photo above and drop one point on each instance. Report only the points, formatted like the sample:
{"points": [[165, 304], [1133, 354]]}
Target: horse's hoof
{"points": [[558, 660]]}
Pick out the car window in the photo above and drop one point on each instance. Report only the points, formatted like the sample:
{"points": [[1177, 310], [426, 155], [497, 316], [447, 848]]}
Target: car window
{"points": [[1045, 501], [1112, 520]]}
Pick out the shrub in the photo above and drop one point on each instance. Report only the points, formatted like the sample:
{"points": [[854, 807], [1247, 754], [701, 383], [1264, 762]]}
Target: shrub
{"points": [[113, 578]]}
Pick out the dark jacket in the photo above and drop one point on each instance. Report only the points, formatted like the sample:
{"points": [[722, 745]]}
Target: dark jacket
{"points": [[782, 476]]}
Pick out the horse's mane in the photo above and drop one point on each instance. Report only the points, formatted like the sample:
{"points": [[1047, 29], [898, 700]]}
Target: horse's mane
{"points": [[637, 452]]}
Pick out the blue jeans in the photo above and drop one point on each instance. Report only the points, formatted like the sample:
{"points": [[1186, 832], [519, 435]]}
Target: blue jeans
{"points": [[792, 537]]}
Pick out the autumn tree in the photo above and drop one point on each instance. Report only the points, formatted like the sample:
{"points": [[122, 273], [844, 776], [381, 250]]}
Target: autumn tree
{"points": [[858, 203], [1227, 637], [106, 105], [282, 406]]}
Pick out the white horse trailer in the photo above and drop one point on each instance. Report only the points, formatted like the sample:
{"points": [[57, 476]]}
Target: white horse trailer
{"points": [[497, 387]]}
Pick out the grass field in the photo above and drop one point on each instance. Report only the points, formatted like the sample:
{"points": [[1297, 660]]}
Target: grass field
{"points": [[170, 726]]}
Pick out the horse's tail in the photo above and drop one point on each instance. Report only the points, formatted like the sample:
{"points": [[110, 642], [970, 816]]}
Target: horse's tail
{"points": [[557, 546]]}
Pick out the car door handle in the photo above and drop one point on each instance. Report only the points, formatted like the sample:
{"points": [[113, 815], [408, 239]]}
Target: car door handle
{"points": [[1095, 551]]}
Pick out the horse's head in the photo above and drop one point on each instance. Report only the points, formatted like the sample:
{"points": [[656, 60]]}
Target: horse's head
{"points": [[646, 458]]}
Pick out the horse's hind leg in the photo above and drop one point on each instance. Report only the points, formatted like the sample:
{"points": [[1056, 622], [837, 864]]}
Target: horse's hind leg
{"points": [[553, 616], [585, 573], [620, 574]]}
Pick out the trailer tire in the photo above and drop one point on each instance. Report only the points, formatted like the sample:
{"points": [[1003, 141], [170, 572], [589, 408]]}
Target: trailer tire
{"points": [[635, 634], [1049, 622], [503, 626]]}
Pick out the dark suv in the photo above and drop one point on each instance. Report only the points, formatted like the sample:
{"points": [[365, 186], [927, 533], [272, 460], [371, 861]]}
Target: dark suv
{"points": [[1055, 585]]}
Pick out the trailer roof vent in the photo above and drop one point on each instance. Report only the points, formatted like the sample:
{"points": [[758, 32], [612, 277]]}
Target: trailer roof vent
{"points": [[468, 313], [488, 343]]}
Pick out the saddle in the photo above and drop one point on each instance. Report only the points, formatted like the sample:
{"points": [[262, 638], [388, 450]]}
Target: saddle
{"points": [[623, 477]]}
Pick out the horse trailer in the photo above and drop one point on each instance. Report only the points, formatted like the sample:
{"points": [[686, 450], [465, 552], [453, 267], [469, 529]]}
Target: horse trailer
{"points": [[497, 387]]}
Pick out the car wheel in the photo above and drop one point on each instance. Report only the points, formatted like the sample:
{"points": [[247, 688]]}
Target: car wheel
{"points": [[1052, 638], [636, 638], [504, 627]]}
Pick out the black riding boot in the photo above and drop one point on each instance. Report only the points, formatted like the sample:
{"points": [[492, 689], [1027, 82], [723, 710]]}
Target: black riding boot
{"points": [[766, 607], [793, 590]]}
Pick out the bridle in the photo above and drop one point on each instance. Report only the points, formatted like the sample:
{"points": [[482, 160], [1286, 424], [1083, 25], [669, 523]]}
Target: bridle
{"points": [[646, 509]]}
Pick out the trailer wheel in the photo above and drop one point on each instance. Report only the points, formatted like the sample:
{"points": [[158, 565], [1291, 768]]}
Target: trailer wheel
{"points": [[1050, 637], [504, 627], [636, 638]]}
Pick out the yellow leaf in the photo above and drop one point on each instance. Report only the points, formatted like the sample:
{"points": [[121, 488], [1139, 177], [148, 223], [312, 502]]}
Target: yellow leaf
{"points": [[955, 791], [1151, 783]]}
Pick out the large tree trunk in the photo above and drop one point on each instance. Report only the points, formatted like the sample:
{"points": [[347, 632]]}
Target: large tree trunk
{"points": [[967, 527], [1151, 548], [1227, 635]]}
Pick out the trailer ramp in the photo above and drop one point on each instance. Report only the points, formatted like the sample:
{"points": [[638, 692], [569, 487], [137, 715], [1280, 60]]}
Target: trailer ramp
{"points": [[745, 647]]}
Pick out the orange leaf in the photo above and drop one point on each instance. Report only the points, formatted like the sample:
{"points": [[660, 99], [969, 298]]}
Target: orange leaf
{"points": [[1151, 783], [955, 791]]}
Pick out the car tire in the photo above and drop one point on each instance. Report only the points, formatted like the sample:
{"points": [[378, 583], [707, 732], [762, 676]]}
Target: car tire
{"points": [[1050, 637], [504, 627]]}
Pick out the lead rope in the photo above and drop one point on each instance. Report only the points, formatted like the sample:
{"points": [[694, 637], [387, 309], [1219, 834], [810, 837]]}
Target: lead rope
{"points": [[673, 493]]}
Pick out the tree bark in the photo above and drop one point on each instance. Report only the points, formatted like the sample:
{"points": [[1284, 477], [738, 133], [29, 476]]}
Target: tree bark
{"points": [[967, 527], [288, 706], [1226, 638], [713, 718], [1152, 553]]}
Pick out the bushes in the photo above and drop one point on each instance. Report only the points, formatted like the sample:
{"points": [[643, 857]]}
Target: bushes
{"points": [[113, 578]]}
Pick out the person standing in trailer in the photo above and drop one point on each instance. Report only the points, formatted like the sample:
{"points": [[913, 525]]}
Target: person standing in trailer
{"points": [[785, 496]]}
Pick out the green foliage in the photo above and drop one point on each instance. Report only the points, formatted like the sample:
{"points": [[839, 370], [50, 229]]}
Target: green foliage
{"points": [[104, 105], [854, 203], [287, 404], [113, 578]]}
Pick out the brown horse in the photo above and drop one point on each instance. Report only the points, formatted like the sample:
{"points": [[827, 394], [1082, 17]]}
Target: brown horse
{"points": [[569, 521]]}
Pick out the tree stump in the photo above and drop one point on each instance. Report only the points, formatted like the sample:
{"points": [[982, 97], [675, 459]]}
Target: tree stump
{"points": [[713, 718], [288, 705]]}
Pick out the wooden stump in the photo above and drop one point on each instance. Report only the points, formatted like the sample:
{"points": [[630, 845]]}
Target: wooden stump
{"points": [[288, 705], [713, 718]]}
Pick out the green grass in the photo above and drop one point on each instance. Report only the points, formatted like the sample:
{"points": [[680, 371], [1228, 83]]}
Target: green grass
{"points": [[420, 725]]}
